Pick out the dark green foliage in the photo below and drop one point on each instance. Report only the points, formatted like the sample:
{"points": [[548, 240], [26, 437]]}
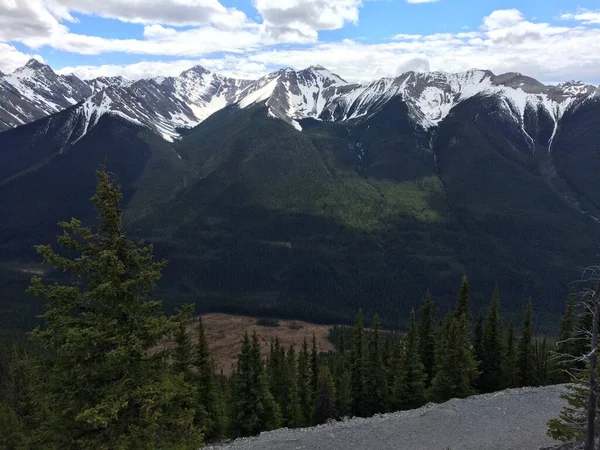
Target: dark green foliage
{"points": [[463, 306], [211, 411], [376, 392], [478, 347], [357, 367], [325, 396], [292, 413], [456, 367], [343, 399], [183, 354], [103, 381], [492, 376], [571, 423], [253, 407], [427, 336], [525, 363], [567, 342], [409, 391], [267, 322], [510, 358], [305, 393], [314, 364]]}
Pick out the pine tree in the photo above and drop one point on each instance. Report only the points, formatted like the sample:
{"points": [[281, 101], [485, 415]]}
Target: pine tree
{"points": [[253, 407], [376, 388], [572, 421], [478, 339], [183, 352], [567, 342], [104, 381], [314, 365], [211, 411], [427, 336], [343, 400], [409, 391], [357, 367], [325, 396], [456, 366], [277, 373], [304, 387], [492, 377], [524, 357], [510, 358], [292, 412], [462, 306]]}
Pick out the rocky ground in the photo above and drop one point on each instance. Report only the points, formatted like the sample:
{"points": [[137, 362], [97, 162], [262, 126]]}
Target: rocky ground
{"points": [[512, 419]]}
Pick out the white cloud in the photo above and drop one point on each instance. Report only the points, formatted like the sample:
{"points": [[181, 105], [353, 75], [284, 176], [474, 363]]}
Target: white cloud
{"points": [[505, 41], [301, 20], [170, 12], [585, 16], [11, 58]]}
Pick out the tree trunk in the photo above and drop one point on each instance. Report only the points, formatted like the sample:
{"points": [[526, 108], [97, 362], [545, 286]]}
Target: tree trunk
{"points": [[592, 399]]}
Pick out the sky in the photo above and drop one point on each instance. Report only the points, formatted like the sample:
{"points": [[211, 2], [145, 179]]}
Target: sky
{"points": [[361, 40]]}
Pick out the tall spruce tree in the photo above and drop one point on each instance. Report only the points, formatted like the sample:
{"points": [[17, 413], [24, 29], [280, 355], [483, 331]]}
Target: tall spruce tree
{"points": [[478, 347], [292, 413], [376, 387], [567, 342], [253, 407], [409, 391], [510, 358], [456, 367], [325, 396], [104, 381], [343, 399], [492, 376], [357, 367], [525, 365], [314, 364], [211, 412], [305, 393], [462, 306], [427, 336]]}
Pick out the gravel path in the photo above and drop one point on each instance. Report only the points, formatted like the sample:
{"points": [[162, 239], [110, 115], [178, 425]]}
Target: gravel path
{"points": [[512, 419]]}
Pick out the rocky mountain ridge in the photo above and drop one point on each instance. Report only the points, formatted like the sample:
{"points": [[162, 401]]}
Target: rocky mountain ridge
{"points": [[168, 104]]}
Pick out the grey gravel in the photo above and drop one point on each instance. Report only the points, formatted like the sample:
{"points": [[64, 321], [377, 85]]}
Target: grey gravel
{"points": [[512, 419]]}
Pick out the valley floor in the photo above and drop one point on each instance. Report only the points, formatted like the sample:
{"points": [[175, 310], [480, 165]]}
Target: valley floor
{"points": [[514, 419]]}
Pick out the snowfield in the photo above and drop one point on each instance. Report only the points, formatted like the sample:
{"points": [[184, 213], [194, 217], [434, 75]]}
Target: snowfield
{"points": [[514, 419]]}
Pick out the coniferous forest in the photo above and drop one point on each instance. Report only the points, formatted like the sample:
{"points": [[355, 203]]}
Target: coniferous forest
{"points": [[94, 374]]}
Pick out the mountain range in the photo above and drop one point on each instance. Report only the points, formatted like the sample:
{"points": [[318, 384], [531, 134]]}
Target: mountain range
{"points": [[303, 194]]}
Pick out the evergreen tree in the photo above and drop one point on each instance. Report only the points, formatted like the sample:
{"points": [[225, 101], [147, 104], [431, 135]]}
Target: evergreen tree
{"points": [[277, 373], [572, 421], [292, 413], [567, 342], [183, 352], [492, 377], [325, 396], [524, 354], [253, 407], [427, 336], [357, 367], [376, 388], [211, 412], [478, 347], [343, 399], [456, 366], [510, 358], [409, 391], [105, 383], [304, 387], [463, 307], [314, 364]]}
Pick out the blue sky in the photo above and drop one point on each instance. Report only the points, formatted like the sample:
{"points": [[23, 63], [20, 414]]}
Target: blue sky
{"points": [[552, 40]]}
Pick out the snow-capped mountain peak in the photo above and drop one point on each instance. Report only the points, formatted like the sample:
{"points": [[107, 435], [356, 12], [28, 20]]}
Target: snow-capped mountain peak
{"points": [[165, 104]]}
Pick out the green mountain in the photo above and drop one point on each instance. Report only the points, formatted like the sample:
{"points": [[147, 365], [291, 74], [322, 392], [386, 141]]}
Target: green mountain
{"points": [[367, 211]]}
